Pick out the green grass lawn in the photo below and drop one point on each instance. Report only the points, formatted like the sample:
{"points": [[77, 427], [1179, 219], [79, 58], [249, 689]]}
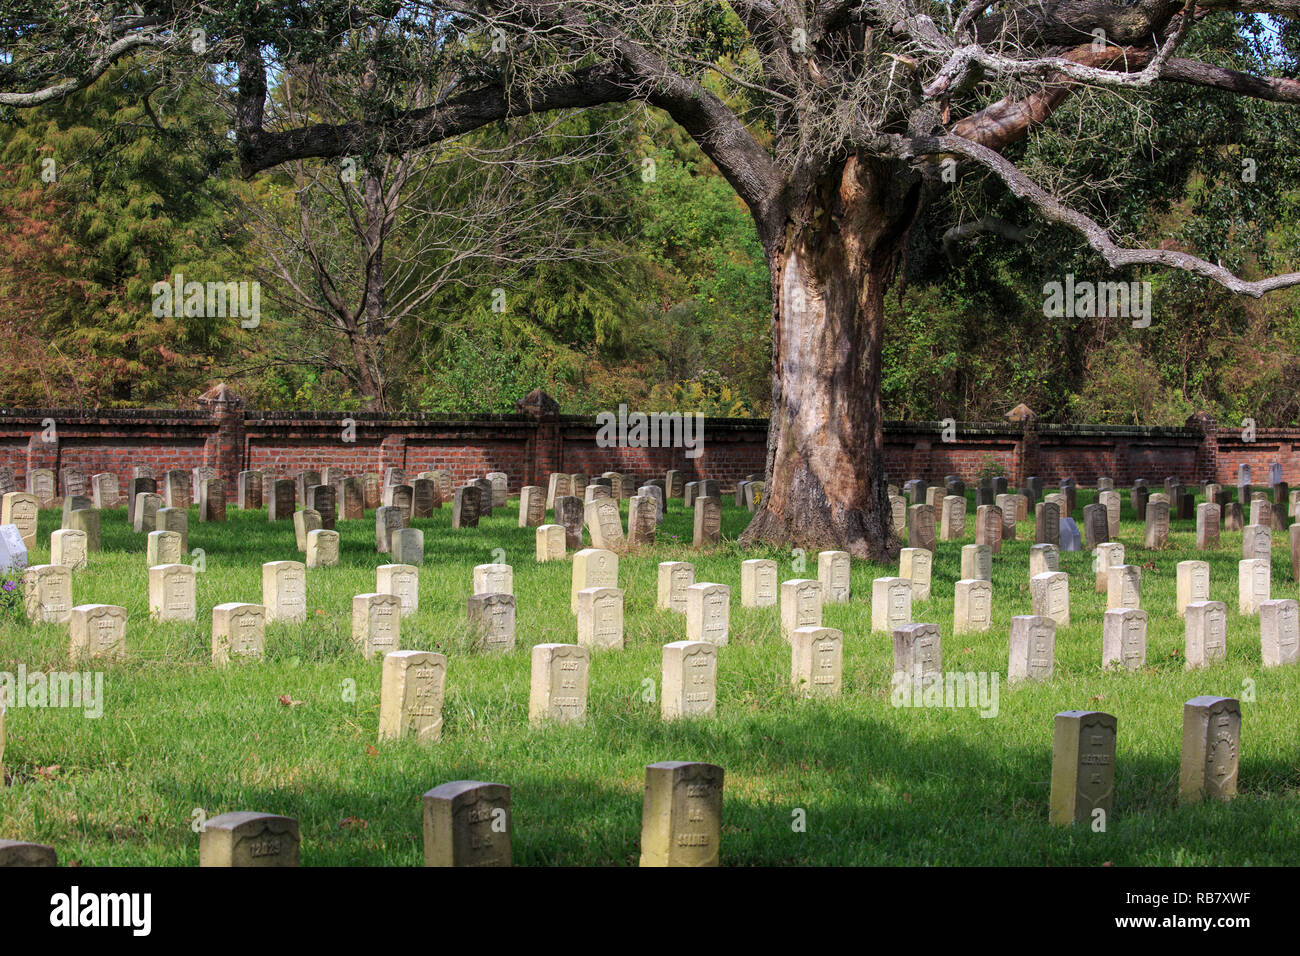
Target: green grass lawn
{"points": [[878, 784]]}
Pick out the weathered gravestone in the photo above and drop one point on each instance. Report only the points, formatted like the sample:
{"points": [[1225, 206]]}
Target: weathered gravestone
{"points": [[281, 502], [801, 605], [284, 591], [1211, 749], [1044, 558], [403, 582], [977, 562], [305, 522], [708, 521], [1253, 585], [68, 548], [492, 621], [1205, 633], [40, 482], [1096, 526], [353, 499], [1207, 527], [642, 517], [105, 490], [558, 685], [163, 547], [681, 818], [238, 630], [1124, 638], [97, 631], [176, 488], [604, 525], [1108, 554], [249, 839], [465, 507], [891, 604], [1123, 586], [1193, 583], [592, 568], [73, 503], [172, 592], [674, 578], [532, 506], [412, 690], [918, 655], [496, 578], [1256, 542], [920, 528], [248, 490], [47, 593], [817, 661], [988, 527], [600, 617], [1279, 632], [136, 487], [690, 680], [1047, 524], [1083, 768], [377, 624], [17, 853], [467, 823], [758, 583], [19, 509], [322, 500], [13, 551], [1032, 652], [833, 573], [708, 613], [1157, 524], [1050, 593], [972, 609], [500, 487], [322, 548], [73, 481], [916, 565]]}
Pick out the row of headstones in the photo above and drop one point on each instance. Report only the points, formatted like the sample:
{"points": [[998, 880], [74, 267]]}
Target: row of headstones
{"points": [[468, 823], [1083, 759], [1179, 500]]}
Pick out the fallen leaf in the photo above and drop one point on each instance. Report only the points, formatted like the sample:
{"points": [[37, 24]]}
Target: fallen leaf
{"points": [[47, 773], [372, 750], [287, 701], [352, 823]]}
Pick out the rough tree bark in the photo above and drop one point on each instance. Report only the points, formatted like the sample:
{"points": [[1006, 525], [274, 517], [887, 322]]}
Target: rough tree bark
{"points": [[837, 256]]}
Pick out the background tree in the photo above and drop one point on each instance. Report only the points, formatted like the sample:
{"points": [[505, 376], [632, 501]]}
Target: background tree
{"points": [[846, 122]]}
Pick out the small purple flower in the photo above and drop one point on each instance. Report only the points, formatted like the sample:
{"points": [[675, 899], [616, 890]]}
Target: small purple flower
{"points": [[10, 585]]}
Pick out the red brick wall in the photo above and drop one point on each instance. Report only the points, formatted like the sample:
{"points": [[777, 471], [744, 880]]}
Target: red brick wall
{"points": [[528, 447]]}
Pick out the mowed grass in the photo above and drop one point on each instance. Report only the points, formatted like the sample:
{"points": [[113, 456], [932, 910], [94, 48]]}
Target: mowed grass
{"points": [[877, 784]]}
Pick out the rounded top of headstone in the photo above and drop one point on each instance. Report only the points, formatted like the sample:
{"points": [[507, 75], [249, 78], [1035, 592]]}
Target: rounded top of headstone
{"points": [[1021, 413]]}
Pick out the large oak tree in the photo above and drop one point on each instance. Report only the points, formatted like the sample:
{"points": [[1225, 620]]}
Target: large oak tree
{"points": [[837, 122]]}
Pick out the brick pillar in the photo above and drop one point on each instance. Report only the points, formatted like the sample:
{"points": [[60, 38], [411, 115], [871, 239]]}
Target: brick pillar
{"points": [[545, 446], [392, 454], [224, 450], [921, 458], [1207, 454]]}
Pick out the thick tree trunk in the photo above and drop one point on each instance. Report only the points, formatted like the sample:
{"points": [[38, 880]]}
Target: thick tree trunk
{"points": [[825, 482]]}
